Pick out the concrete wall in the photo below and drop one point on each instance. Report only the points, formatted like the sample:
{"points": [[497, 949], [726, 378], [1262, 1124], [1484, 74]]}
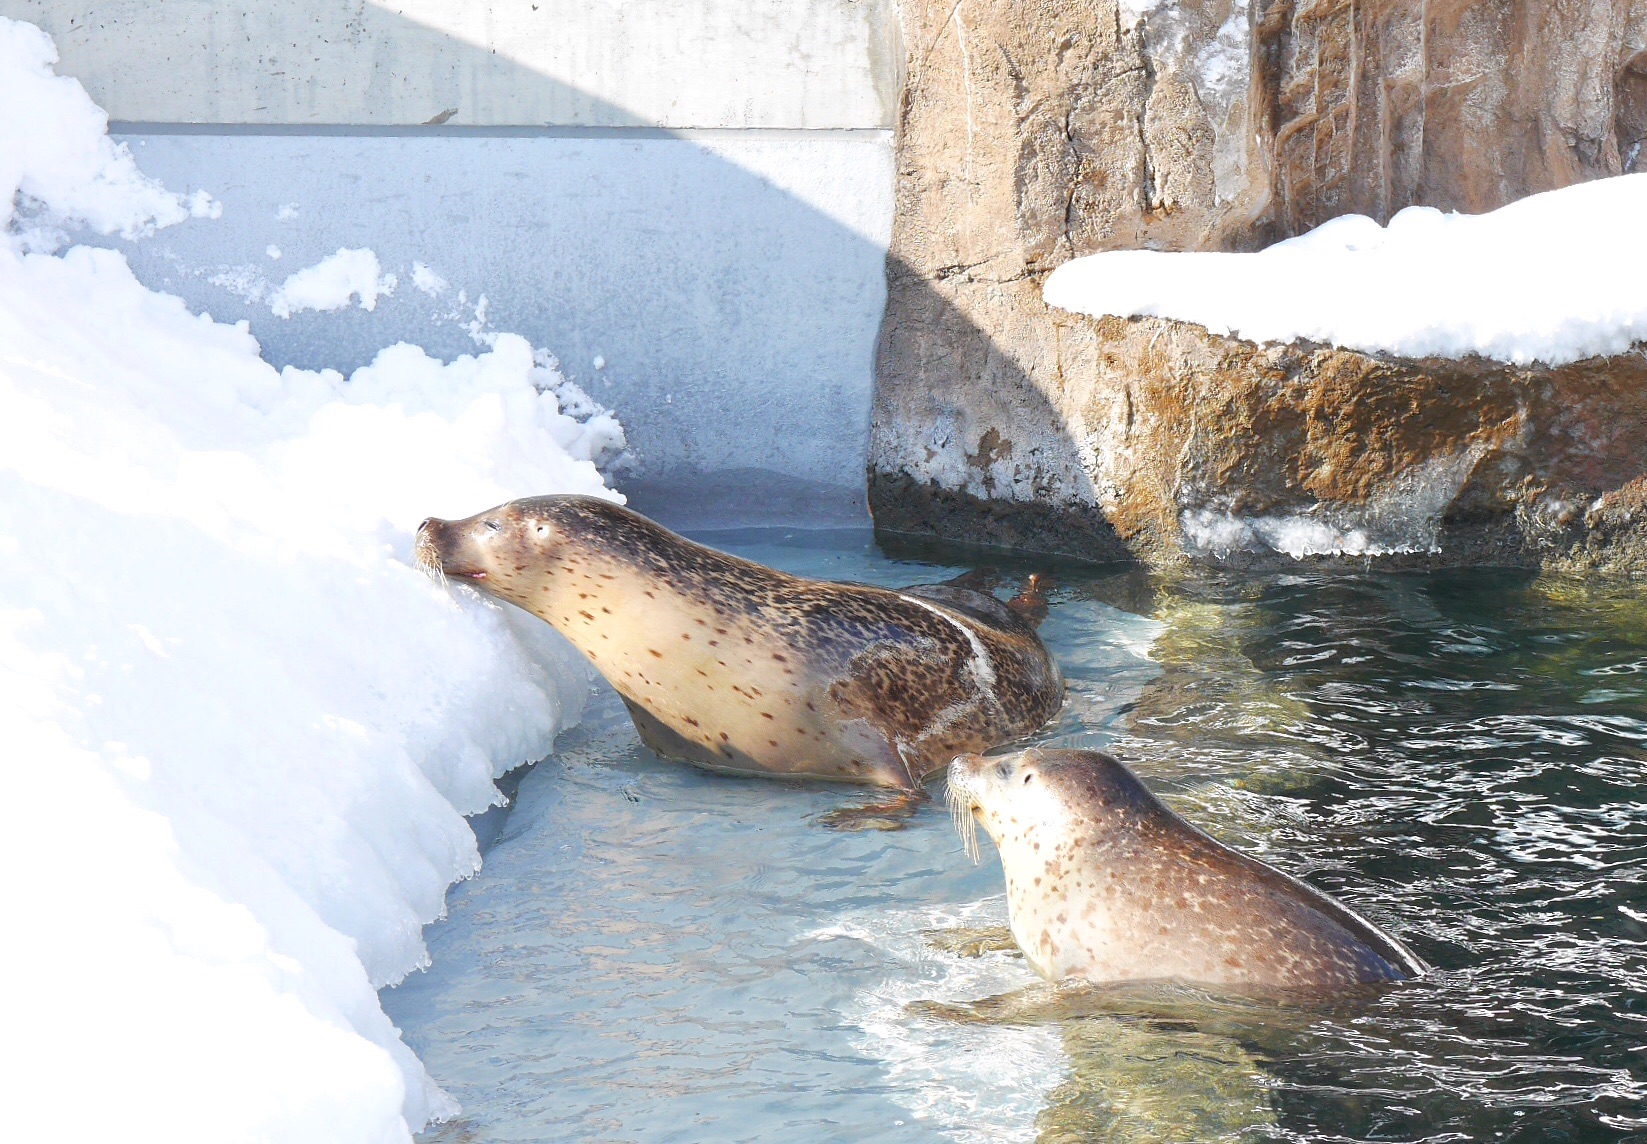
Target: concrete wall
{"points": [[697, 194], [700, 63]]}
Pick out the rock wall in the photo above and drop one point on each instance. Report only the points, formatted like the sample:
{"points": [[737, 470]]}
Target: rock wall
{"points": [[1033, 132], [1368, 107]]}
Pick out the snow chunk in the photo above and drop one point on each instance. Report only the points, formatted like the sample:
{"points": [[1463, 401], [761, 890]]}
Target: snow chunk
{"points": [[428, 281], [202, 205], [1552, 278], [331, 282]]}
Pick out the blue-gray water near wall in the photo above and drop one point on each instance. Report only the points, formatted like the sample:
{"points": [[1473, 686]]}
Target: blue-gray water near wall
{"points": [[720, 291]]}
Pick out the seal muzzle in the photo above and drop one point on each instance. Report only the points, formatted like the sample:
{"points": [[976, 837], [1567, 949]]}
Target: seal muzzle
{"points": [[440, 551]]}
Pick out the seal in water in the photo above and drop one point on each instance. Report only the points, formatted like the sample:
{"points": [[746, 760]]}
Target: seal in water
{"points": [[739, 668], [1104, 883]]}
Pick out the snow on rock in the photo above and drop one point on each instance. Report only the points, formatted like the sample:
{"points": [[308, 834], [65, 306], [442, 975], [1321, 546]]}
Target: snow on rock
{"points": [[1131, 11], [331, 282], [1552, 278], [242, 731]]}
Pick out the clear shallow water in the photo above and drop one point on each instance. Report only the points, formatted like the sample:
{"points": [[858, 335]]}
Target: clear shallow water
{"points": [[655, 953]]}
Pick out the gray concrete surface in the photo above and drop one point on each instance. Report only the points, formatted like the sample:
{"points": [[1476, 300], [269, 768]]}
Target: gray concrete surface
{"points": [[731, 284], [695, 194], [691, 63]]}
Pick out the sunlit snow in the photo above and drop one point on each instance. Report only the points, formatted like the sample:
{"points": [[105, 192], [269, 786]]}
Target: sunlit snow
{"points": [[1553, 277], [241, 730]]}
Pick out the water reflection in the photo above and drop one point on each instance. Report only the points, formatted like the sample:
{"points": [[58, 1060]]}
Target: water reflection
{"points": [[655, 953]]}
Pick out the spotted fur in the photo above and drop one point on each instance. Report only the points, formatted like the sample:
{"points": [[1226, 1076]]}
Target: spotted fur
{"points": [[738, 667], [1105, 883]]}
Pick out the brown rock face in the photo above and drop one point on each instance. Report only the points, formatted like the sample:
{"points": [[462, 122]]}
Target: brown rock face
{"points": [[1212, 447], [1034, 132], [1372, 105], [1221, 448]]}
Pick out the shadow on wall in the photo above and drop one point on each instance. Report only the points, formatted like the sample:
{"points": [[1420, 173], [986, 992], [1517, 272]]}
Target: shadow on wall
{"points": [[724, 290], [721, 290]]}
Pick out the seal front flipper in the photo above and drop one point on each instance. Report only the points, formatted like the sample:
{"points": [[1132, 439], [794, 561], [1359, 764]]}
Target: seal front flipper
{"points": [[1256, 1017], [1132, 1076], [1132, 1080], [1037, 1004], [892, 810], [973, 941]]}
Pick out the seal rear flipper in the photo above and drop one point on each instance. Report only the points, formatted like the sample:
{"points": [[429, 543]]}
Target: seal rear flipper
{"points": [[1031, 604], [982, 607], [973, 941], [978, 580]]}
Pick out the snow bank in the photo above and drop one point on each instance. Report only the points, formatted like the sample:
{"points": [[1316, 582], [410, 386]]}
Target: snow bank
{"points": [[1554, 278], [56, 151], [241, 730]]}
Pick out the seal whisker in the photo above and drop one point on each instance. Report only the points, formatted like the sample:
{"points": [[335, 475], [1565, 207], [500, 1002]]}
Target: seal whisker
{"points": [[960, 812], [426, 560]]}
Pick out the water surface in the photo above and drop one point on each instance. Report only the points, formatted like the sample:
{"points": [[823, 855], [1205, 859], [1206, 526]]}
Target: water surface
{"points": [[656, 953]]}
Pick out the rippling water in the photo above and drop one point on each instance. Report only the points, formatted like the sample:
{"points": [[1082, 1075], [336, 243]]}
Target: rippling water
{"points": [[655, 953]]}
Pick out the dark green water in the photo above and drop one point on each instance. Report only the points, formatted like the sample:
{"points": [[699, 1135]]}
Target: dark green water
{"points": [[654, 953], [1465, 751]]}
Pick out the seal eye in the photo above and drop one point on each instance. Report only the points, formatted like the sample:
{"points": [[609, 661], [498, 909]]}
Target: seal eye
{"points": [[492, 525], [1029, 775]]}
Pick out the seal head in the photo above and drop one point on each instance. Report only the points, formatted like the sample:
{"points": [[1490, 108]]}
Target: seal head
{"points": [[737, 667], [1105, 883]]}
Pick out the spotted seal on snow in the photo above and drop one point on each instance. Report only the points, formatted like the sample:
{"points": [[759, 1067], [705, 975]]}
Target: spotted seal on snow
{"points": [[740, 668], [1104, 883]]}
